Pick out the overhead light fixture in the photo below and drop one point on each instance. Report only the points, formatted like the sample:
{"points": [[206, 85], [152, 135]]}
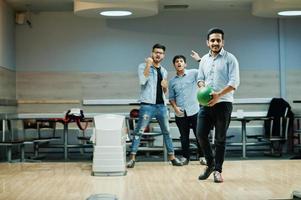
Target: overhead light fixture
{"points": [[121, 9], [116, 13], [274, 8], [290, 13]]}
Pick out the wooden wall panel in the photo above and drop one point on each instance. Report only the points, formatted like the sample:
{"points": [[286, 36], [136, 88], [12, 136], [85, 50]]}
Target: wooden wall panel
{"points": [[83, 85], [77, 85], [74, 86]]}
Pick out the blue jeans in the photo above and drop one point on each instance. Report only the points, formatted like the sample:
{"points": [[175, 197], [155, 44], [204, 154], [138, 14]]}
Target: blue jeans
{"points": [[146, 113]]}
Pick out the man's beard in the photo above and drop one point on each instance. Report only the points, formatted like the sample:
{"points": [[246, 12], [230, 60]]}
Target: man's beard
{"points": [[157, 60], [213, 49]]}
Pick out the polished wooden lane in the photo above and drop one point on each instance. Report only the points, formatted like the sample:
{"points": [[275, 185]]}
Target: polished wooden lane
{"points": [[247, 179]]}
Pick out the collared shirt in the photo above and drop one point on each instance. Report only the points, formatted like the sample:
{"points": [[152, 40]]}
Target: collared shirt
{"points": [[183, 90], [219, 72], [148, 84]]}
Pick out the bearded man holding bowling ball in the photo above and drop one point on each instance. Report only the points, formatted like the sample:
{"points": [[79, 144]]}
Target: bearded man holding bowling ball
{"points": [[219, 70]]}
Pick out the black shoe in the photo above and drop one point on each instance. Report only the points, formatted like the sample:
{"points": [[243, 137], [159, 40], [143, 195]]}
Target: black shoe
{"points": [[176, 162], [207, 172], [131, 164], [185, 161]]}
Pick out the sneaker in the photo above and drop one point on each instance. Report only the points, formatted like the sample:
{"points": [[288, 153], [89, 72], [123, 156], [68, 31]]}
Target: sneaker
{"points": [[203, 161], [207, 172], [131, 164], [218, 177], [176, 162], [185, 161]]}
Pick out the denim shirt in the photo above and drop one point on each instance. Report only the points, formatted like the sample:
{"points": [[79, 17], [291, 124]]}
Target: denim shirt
{"points": [[148, 84], [183, 90], [219, 72]]}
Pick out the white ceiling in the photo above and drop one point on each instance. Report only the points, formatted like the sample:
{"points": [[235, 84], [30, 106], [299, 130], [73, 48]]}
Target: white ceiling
{"points": [[262, 8], [67, 5]]}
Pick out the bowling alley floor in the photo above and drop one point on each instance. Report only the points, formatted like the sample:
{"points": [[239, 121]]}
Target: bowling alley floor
{"points": [[244, 179]]}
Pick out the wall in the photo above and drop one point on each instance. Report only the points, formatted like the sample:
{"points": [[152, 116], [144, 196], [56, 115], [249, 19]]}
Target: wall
{"points": [[98, 58], [7, 36], [7, 58], [292, 60], [7, 63], [63, 42]]}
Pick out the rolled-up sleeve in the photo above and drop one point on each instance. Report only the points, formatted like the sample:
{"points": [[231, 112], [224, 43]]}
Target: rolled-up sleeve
{"points": [[201, 76], [233, 73], [195, 73], [142, 78], [171, 92]]}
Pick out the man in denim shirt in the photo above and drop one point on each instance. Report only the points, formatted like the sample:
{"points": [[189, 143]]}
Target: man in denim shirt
{"points": [[153, 82], [182, 96], [218, 69]]}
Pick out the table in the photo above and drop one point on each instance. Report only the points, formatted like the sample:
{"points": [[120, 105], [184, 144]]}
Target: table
{"points": [[244, 118]]}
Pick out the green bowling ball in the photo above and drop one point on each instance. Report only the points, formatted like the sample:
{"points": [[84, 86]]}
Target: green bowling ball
{"points": [[204, 96]]}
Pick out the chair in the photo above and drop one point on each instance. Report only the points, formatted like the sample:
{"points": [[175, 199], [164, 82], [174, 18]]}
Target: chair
{"points": [[84, 139], [45, 124], [4, 136], [38, 125], [9, 141], [279, 121]]}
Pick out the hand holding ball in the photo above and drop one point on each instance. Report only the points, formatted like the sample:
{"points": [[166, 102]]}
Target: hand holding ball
{"points": [[204, 95]]}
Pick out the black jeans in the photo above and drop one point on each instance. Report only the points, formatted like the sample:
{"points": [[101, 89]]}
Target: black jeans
{"points": [[218, 116], [184, 124]]}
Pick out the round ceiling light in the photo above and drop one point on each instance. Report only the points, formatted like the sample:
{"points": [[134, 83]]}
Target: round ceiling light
{"points": [[116, 9], [116, 13], [290, 13]]}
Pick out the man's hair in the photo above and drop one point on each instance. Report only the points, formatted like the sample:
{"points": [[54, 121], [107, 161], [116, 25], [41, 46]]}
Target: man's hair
{"points": [[215, 30], [178, 57], [159, 46]]}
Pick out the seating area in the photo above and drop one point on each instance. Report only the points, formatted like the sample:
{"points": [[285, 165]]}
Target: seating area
{"points": [[35, 134], [271, 132], [25, 142]]}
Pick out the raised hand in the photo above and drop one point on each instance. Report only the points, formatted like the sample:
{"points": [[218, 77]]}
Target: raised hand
{"points": [[195, 55], [149, 61]]}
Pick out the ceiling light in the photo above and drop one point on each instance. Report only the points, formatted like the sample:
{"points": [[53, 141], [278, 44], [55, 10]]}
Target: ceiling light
{"points": [[290, 13], [129, 8], [271, 8], [116, 13]]}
